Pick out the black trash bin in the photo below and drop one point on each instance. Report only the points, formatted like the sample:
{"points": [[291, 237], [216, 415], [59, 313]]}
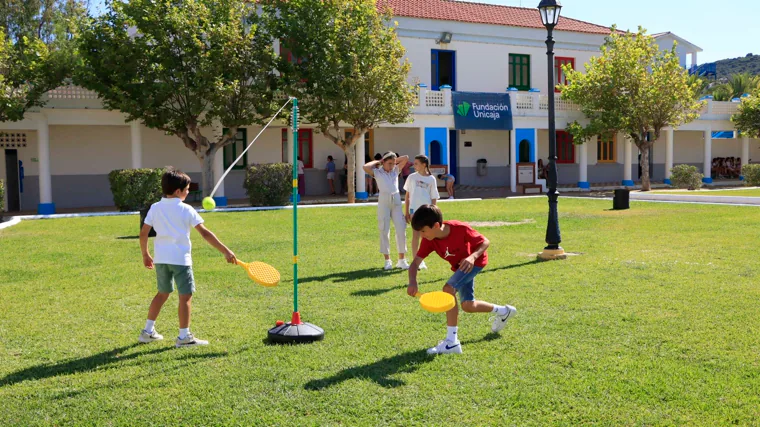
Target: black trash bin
{"points": [[621, 199]]}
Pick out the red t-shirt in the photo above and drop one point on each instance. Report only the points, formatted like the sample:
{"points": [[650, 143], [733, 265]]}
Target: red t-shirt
{"points": [[461, 242]]}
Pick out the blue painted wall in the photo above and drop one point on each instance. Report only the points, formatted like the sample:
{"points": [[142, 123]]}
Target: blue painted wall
{"points": [[440, 135], [527, 134]]}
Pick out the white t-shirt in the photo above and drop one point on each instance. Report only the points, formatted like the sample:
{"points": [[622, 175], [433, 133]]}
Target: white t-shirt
{"points": [[387, 182], [173, 221], [422, 190], [300, 167]]}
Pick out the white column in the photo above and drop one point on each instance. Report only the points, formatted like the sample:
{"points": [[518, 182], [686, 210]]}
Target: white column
{"points": [[421, 148], [361, 186], [512, 160], [136, 136], [694, 58], [448, 150], [745, 150], [535, 153], [291, 147], [708, 156], [668, 152], [43, 147], [627, 162], [218, 168], [583, 165]]}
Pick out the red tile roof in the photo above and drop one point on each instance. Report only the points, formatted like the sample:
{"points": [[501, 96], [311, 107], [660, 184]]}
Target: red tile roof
{"points": [[481, 13]]}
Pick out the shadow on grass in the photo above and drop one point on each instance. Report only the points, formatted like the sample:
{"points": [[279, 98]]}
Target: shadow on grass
{"points": [[376, 292], [379, 371], [91, 363], [509, 267], [346, 276], [127, 237]]}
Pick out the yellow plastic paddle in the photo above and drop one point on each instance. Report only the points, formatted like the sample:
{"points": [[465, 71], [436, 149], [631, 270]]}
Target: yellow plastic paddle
{"points": [[261, 273], [436, 302]]}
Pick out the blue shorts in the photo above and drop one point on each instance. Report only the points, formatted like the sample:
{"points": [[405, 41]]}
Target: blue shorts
{"points": [[464, 283]]}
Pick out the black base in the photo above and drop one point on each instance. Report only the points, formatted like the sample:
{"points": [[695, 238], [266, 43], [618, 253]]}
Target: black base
{"points": [[295, 334]]}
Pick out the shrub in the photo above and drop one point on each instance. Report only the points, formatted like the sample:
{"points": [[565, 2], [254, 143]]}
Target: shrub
{"points": [[269, 184], [135, 189], [751, 174], [2, 196], [686, 176]]}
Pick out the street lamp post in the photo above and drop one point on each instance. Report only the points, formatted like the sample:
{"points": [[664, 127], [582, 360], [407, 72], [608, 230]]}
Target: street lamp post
{"points": [[550, 11]]}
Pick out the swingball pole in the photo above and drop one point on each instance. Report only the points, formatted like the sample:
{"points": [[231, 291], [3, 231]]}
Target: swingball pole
{"points": [[295, 331]]}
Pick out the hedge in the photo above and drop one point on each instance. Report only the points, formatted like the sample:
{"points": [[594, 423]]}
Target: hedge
{"points": [[135, 189], [269, 184]]}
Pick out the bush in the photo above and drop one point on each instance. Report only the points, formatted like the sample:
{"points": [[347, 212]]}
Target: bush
{"points": [[751, 174], [135, 189], [2, 196], [686, 176], [269, 184]]}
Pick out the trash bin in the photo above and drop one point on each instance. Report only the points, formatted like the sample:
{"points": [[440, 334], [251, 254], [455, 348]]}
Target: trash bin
{"points": [[621, 199], [482, 167]]}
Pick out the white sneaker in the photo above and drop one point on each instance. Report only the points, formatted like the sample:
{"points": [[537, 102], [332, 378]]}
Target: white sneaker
{"points": [[451, 197], [422, 266], [388, 265], [499, 322], [446, 347], [146, 337], [402, 264], [189, 341]]}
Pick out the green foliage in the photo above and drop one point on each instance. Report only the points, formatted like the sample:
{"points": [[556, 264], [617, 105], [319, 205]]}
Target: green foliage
{"points": [[751, 174], [633, 88], [348, 66], [736, 86], [269, 184], [747, 119], [135, 189], [686, 176], [2, 196], [747, 64], [36, 50], [181, 66]]}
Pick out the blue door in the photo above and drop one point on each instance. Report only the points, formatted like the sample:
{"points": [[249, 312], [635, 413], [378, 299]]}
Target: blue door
{"points": [[453, 160]]}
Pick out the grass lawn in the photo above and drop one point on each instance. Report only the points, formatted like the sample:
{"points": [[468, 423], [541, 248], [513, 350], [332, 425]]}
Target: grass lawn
{"points": [[655, 323], [750, 192]]}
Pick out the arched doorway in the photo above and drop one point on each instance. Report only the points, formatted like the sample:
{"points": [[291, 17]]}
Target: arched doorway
{"points": [[524, 152], [435, 153]]}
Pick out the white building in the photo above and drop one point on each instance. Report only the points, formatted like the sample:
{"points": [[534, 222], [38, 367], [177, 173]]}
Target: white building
{"points": [[60, 156]]}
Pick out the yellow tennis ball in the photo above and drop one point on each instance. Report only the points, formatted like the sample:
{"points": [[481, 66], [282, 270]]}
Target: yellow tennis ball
{"points": [[208, 203]]}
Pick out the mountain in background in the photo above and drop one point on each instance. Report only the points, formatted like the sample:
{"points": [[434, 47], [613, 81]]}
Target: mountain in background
{"points": [[748, 64]]}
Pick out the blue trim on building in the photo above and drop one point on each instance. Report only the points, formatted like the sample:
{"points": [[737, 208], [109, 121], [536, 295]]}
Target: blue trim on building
{"points": [[584, 185], [707, 180], [529, 135], [46, 209], [437, 134], [363, 195], [667, 181], [628, 183], [221, 201]]}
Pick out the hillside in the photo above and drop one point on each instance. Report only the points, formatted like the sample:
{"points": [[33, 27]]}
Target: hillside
{"points": [[748, 64]]}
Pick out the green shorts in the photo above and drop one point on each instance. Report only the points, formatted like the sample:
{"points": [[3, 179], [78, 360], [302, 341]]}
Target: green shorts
{"points": [[169, 274]]}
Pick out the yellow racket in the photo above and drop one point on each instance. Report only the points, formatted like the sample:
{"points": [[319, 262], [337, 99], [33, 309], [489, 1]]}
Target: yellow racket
{"points": [[261, 273], [436, 302]]}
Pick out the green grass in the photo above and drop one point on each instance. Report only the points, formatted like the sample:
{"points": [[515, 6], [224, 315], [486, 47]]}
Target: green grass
{"points": [[750, 192], [656, 323]]}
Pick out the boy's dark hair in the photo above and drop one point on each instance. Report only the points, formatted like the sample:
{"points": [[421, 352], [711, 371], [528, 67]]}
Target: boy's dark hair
{"points": [[174, 180], [378, 156], [440, 176], [426, 216], [329, 158]]}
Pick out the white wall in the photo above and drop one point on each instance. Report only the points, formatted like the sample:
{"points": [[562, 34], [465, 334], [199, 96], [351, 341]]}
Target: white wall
{"points": [[405, 141], [688, 147], [89, 150], [666, 43], [727, 147], [492, 145]]}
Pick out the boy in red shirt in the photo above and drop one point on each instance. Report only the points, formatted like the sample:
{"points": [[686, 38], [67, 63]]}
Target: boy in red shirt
{"points": [[465, 249]]}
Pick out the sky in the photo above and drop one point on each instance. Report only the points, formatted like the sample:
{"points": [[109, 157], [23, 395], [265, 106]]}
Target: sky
{"points": [[705, 23]]}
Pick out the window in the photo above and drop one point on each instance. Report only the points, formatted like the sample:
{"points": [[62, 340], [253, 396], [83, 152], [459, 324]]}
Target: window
{"points": [[559, 75], [605, 149], [369, 141], [233, 150], [519, 71], [443, 69], [565, 147], [305, 146]]}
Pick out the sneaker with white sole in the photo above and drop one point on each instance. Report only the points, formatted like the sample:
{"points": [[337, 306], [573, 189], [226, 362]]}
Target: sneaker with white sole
{"points": [[388, 265], [422, 266], [446, 347], [499, 322], [402, 264], [146, 337], [190, 341]]}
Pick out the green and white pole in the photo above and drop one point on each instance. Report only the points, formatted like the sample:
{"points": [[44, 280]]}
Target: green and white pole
{"points": [[296, 320]]}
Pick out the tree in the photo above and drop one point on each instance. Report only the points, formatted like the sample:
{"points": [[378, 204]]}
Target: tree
{"points": [[736, 86], [632, 88], [180, 66], [347, 65], [36, 50], [747, 119]]}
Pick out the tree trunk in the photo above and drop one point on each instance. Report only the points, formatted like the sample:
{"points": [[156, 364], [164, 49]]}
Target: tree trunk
{"points": [[351, 178], [645, 184]]}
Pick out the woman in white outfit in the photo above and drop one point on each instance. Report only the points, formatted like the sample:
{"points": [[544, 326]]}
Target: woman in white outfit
{"points": [[389, 207]]}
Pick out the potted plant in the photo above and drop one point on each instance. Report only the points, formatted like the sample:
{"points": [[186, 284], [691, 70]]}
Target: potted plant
{"points": [[136, 190]]}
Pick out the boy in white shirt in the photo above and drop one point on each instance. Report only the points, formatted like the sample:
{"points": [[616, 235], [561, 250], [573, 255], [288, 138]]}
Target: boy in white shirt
{"points": [[421, 189], [172, 219]]}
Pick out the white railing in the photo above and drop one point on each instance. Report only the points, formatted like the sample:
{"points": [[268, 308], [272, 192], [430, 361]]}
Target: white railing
{"points": [[725, 108], [71, 92], [524, 101], [543, 102], [435, 99], [563, 105]]}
